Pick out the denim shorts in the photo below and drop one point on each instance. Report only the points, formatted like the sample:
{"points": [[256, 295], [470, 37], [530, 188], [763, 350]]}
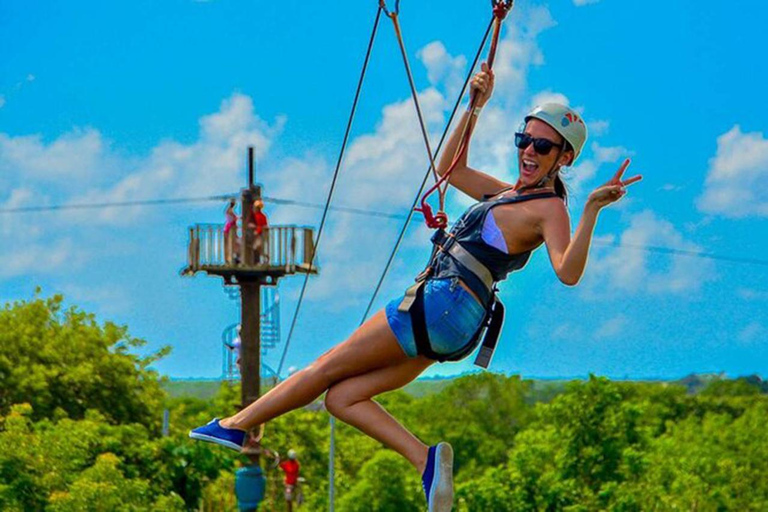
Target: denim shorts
{"points": [[452, 316]]}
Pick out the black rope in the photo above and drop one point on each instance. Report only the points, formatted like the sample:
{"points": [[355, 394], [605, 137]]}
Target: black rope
{"points": [[426, 176], [415, 96], [333, 186]]}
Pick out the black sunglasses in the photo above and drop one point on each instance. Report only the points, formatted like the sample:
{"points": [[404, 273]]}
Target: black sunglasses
{"points": [[541, 146]]}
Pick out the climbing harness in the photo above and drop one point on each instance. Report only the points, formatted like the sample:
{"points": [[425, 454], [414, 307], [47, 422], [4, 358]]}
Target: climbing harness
{"points": [[413, 302], [439, 220], [451, 256]]}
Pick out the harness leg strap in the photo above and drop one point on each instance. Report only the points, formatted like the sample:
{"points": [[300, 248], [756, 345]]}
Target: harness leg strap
{"points": [[484, 356], [419, 325], [410, 297]]}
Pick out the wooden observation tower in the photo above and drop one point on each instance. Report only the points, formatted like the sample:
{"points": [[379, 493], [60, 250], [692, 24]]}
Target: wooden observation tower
{"points": [[282, 251]]}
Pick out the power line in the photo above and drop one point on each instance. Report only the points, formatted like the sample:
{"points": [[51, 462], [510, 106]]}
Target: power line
{"points": [[683, 252], [181, 200], [118, 204], [355, 211]]}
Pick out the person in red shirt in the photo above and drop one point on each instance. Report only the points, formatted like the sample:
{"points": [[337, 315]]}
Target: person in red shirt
{"points": [[291, 468], [258, 222]]}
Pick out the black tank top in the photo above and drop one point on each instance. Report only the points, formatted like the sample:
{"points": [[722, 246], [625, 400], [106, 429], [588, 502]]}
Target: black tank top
{"points": [[467, 231]]}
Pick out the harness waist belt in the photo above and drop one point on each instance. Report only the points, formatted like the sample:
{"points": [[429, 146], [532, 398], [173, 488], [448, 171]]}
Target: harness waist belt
{"points": [[472, 264], [490, 327]]}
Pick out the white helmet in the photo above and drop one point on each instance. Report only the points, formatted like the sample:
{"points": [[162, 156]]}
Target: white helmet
{"points": [[565, 121], [292, 454]]}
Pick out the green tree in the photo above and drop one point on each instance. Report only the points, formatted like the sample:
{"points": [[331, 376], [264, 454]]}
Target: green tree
{"points": [[386, 483], [62, 362], [103, 487]]}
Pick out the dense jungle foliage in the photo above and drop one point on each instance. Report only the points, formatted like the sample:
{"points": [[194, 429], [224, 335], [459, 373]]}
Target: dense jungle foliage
{"points": [[81, 417]]}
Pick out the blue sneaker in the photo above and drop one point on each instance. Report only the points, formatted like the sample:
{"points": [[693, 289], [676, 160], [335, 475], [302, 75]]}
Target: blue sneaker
{"points": [[213, 432], [438, 478]]}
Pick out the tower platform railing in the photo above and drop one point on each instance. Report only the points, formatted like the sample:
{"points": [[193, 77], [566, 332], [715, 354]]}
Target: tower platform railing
{"points": [[278, 250]]}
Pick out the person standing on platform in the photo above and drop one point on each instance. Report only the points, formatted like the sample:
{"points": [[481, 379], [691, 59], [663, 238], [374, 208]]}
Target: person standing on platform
{"points": [[258, 223], [230, 233]]}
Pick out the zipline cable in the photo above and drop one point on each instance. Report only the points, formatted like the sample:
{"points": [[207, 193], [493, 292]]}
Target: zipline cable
{"points": [[333, 186], [426, 175]]}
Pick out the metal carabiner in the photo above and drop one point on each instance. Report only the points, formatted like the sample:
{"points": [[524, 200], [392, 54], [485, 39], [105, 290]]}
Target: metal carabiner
{"points": [[501, 7], [383, 6]]}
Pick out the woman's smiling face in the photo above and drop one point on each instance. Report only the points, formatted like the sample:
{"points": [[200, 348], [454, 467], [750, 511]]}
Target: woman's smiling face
{"points": [[534, 166]]}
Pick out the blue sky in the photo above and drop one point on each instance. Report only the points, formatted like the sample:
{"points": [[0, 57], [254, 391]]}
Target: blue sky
{"points": [[104, 102]]}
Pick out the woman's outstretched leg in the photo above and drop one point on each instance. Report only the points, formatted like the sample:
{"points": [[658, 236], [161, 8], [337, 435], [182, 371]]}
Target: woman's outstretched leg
{"points": [[351, 401], [372, 346]]}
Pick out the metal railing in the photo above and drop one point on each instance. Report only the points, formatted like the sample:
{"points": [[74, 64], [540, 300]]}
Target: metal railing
{"points": [[287, 247]]}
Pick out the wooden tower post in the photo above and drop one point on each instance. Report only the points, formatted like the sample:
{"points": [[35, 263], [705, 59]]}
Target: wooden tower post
{"points": [[279, 248]]}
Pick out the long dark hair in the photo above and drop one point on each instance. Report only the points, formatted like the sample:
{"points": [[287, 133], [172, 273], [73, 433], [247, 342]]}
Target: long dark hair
{"points": [[560, 189]]}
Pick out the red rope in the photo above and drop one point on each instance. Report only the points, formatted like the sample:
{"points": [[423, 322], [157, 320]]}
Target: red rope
{"points": [[440, 219]]}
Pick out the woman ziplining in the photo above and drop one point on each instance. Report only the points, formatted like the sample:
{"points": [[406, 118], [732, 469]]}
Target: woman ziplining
{"points": [[442, 316]]}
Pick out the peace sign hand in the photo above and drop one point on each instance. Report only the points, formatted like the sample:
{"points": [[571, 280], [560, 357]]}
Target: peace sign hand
{"points": [[614, 190]]}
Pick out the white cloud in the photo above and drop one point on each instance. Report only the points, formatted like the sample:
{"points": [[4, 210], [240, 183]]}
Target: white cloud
{"points": [[612, 328], [753, 332], [735, 183], [443, 68], [67, 161], [44, 257], [86, 169], [750, 294], [549, 97], [566, 332], [631, 269], [599, 127], [517, 53]]}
